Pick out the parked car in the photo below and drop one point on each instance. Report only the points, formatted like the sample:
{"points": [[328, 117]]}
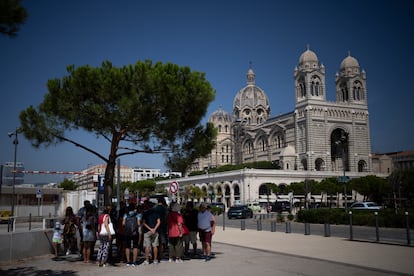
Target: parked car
{"points": [[366, 205], [239, 211], [254, 206], [281, 206]]}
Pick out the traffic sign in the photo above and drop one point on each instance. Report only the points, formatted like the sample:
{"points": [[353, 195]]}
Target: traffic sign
{"points": [[174, 187], [343, 179], [39, 193]]}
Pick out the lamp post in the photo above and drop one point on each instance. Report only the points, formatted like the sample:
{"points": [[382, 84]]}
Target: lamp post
{"points": [[342, 142], [15, 142]]}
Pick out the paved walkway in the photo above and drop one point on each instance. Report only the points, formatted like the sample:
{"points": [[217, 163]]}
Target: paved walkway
{"points": [[307, 254], [365, 254]]}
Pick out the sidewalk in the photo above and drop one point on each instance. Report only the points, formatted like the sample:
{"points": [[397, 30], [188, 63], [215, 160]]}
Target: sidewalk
{"points": [[365, 254]]}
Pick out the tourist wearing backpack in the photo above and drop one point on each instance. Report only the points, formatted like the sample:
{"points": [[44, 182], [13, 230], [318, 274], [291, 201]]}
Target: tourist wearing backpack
{"points": [[131, 223]]}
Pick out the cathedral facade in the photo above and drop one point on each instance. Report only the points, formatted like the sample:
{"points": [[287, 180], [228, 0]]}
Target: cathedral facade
{"points": [[317, 135]]}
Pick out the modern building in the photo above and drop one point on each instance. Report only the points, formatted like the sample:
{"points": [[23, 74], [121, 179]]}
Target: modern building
{"points": [[88, 178], [7, 174], [139, 174]]}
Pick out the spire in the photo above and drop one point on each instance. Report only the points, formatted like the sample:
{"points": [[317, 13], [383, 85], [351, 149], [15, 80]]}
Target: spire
{"points": [[250, 75]]}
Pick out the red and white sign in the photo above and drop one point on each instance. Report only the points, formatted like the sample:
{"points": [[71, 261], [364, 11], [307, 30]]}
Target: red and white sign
{"points": [[174, 187]]}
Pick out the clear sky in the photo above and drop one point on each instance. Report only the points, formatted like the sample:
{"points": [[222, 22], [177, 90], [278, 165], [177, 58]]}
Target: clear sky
{"points": [[219, 38]]}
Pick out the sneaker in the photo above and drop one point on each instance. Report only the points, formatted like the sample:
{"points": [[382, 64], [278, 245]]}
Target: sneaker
{"points": [[129, 264], [145, 262], [178, 261], [136, 264], [67, 253], [207, 259], [170, 260], [133, 265], [156, 262]]}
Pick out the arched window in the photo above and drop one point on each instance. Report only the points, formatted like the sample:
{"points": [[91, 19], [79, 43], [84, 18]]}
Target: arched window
{"points": [[362, 166], [319, 164], [316, 86]]}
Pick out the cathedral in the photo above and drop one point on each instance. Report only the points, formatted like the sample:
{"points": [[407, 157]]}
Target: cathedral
{"points": [[318, 135]]}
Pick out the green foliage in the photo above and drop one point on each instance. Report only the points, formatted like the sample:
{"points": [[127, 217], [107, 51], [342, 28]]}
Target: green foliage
{"points": [[68, 185], [386, 217], [12, 15], [147, 108]]}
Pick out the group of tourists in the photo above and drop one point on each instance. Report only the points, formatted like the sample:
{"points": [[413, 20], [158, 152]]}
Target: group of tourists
{"points": [[148, 229]]}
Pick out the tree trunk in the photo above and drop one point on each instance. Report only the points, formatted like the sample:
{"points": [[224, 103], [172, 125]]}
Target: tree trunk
{"points": [[110, 169]]}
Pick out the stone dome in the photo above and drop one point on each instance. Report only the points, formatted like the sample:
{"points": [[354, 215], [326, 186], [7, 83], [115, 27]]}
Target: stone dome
{"points": [[349, 62], [308, 57], [220, 116]]}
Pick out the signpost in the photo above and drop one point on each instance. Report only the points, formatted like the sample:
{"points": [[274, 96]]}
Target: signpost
{"points": [[39, 197]]}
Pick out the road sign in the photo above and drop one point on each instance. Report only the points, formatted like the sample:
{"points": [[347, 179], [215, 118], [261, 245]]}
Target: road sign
{"points": [[174, 187], [39, 193], [343, 179]]}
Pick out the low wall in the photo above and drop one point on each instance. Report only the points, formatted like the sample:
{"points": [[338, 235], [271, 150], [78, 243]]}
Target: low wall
{"points": [[17, 246]]}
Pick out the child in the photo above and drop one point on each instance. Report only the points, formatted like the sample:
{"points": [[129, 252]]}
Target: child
{"points": [[57, 237]]}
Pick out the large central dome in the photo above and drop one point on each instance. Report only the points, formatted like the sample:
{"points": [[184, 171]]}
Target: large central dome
{"points": [[251, 104]]}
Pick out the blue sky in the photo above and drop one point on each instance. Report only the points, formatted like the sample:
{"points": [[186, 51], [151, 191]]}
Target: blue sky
{"points": [[219, 38]]}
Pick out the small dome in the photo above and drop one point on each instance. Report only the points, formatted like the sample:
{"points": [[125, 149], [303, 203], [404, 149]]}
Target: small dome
{"points": [[308, 56], [349, 62], [220, 115]]}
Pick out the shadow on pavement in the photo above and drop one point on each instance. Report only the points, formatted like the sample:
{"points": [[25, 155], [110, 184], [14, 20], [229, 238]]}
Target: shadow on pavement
{"points": [[32, 271]]}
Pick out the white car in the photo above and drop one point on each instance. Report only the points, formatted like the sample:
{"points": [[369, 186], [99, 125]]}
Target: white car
{"points": [[254, 206], [366, 205]]}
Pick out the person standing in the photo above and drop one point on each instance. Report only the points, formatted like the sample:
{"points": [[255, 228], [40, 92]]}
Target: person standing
{"points": [[70, 226], [161, 208], [57, 238], [191, 221], [176, 231], [131, 223], [151, 221], [207, 227], [105, 240], [88, 233], [81, 213]]}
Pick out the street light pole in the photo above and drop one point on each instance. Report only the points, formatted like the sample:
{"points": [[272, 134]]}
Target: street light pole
{"points": [[15, 142]]}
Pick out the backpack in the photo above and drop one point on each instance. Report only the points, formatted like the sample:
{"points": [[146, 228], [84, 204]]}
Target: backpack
{"points": [[131, 225]]}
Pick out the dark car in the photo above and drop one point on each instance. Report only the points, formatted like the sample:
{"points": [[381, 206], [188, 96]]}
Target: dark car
{"points": [[239, 211], [281, 206]]}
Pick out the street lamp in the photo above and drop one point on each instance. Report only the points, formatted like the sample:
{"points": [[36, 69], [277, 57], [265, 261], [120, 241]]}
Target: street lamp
{"points": [[15, 142], [342, 142]]}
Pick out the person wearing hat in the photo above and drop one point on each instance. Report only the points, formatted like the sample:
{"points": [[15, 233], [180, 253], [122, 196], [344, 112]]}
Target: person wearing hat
{"points": [[207, 227], [176, 231], [57, 238]]}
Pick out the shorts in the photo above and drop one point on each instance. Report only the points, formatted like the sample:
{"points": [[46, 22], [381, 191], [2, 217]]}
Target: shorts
{"points": [[205, 237], [151, 239], [131, 239], [57, 240], [191, 237]]}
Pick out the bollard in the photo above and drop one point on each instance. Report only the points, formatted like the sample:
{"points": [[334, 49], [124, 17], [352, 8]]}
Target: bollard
{"points": [[376, 227], [407, 223], [30, 221], [273, 226], [327, 228], [259, 225], [307, 228], [243, 224], [351, 234], [288, 227]]}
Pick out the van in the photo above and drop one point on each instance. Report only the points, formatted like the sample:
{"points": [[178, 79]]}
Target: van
{"points": [[254, 206]]}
